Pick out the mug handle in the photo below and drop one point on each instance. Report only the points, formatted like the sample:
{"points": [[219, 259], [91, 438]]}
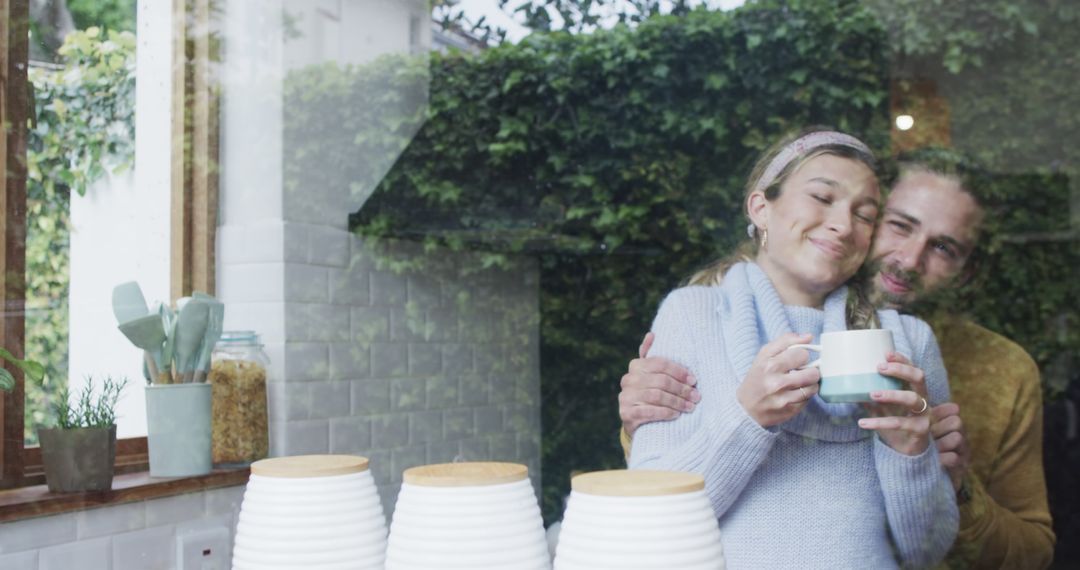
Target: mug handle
{"points": [[813, 347]]}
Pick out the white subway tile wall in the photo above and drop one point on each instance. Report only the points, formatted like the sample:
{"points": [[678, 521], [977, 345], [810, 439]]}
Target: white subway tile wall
{"points": [[91, 554], [20, 560], [37, 533], [133, 536], [147, 549], [93, 523], [173, 509]]}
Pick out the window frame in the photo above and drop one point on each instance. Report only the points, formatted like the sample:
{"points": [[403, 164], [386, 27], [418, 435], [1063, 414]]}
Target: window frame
{"points": [[194, 197]]}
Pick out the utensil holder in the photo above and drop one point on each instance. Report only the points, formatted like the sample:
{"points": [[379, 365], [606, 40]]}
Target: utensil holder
{"points": [[178, 429]]}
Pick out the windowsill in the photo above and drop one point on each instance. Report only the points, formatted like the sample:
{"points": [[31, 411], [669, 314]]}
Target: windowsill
{"points": [[37, 501]]}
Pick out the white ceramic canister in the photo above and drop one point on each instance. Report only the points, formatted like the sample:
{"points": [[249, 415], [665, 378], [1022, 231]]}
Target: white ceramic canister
{"points": [[639, 519], [467, 516], [313, 512]]}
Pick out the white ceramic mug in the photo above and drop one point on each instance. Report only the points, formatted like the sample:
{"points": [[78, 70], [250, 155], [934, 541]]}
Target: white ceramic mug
{"points": [[849, 364]]}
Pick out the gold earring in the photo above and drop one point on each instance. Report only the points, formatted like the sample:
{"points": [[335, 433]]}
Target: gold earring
{"points": [[764, 237]]}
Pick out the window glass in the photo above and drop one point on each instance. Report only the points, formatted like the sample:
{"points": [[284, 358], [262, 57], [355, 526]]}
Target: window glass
{"points": [[83, 208]]}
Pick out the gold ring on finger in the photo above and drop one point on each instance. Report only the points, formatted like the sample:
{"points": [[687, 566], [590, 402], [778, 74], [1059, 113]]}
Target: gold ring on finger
{"points": [[804, 394]]}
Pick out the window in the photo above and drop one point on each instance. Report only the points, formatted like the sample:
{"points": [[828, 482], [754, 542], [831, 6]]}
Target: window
{"points": [[85, 201]]}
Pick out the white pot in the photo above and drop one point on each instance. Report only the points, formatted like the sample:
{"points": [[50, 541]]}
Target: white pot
{"points": [[639, 519], [319, 512], [467, 516]]}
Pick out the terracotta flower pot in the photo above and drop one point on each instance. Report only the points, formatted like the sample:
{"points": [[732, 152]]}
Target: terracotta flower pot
{"points": [[78, 459]]}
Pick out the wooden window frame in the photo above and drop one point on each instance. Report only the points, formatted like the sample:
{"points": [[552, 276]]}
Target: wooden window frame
{"points": [[14, 109], [194, 197]]}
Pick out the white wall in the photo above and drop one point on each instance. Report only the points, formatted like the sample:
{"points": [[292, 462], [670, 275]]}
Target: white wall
{"points": [[120, 230]]}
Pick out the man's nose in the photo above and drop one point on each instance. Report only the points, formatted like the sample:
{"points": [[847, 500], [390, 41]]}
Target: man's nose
{"points": [[909, 255]]}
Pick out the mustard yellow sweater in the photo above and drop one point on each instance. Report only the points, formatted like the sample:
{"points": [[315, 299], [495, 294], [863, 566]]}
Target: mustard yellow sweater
{"points": [[1006, 523]]}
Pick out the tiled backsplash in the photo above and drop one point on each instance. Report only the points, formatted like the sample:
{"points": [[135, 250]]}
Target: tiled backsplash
{"points": [[133, 536]]}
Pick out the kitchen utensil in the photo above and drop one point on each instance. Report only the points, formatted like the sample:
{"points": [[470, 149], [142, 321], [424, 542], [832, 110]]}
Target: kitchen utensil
{"points": [[168, 322], [128, 302], [216, 317], [146, 333], [190, 329]]}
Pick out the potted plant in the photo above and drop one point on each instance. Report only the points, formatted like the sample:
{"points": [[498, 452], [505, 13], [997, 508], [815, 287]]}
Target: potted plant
{"points": [[80, 452]]}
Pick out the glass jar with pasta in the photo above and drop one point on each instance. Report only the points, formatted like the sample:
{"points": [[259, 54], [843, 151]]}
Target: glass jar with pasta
{"points": [[238, 405]]}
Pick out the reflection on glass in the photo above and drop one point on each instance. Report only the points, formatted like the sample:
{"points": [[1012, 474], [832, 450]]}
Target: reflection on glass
{"points": [[615, 157]]}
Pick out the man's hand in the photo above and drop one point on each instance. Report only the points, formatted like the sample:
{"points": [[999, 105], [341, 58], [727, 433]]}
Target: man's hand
{"points": [[655, 389], [952, 444]]}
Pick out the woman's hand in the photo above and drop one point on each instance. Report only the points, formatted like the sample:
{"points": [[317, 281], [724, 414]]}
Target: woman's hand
{"points": [[901, 417], [774, 390]]}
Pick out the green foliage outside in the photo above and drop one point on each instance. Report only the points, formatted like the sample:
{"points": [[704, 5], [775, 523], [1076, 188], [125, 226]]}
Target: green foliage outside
{"points": [[617, 158], [109, 15], [83, 127]]}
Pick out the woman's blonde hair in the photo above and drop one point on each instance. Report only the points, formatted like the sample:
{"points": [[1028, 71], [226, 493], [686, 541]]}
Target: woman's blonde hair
{"points": [[861, 312]]}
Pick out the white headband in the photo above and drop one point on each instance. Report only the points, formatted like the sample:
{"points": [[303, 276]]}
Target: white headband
{"points": [[803, 145]]}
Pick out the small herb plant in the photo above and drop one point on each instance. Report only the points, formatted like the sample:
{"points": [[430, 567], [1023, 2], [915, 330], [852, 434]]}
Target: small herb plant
{"points": [[33, 370], [89, 409]]}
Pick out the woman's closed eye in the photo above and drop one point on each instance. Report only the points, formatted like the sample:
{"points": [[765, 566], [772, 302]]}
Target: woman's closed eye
{"points": [[866, 216]]}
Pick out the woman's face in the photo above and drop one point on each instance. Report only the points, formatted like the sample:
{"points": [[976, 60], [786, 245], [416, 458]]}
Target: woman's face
{"points": [[820, 227]]}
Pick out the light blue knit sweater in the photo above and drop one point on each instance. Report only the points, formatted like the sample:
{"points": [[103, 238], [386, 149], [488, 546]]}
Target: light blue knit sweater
{"points": [[816, 491]]}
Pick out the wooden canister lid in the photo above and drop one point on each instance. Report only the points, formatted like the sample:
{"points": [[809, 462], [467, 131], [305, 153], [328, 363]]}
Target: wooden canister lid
{"points": [[465, 474], [637, 483], [299, 466]]}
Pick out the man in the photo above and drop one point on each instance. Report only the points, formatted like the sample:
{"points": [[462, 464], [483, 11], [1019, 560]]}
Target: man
{"points": [[924, 246]]}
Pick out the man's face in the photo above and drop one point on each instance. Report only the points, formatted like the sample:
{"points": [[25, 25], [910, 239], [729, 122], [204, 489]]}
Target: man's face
{"points": [[926, 236]]}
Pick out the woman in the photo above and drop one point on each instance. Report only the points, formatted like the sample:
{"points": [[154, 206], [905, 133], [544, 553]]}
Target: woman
{"points": [[796, 482]]}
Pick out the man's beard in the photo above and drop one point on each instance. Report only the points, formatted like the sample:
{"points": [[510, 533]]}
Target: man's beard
{"points": [[917, 301], [901, 302]]}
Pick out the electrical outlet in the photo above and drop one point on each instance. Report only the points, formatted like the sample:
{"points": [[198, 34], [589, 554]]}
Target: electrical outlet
{"points": [[204, 549]]}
